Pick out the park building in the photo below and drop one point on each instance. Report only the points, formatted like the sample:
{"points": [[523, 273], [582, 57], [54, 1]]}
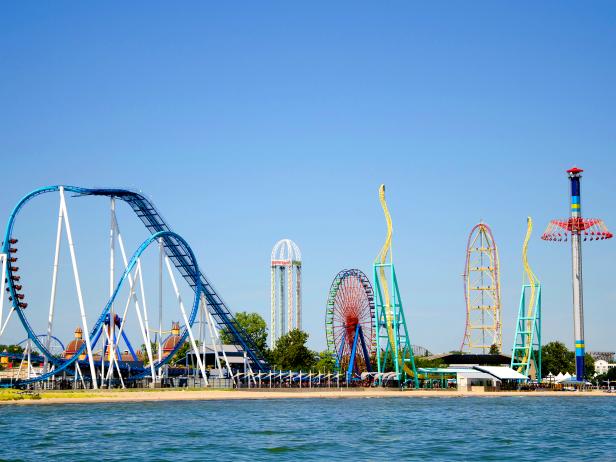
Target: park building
{"points": [[75, 345], [607, 356], [172, 341], [602, 366], [474, 372], [229, 354], [604, 361]]}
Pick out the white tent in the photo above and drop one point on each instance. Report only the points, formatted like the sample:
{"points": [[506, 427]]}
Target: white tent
{"points": [[567, 376]]}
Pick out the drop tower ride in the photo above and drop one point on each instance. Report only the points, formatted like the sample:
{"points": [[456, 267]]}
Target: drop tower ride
{"points": [[577, 228]]}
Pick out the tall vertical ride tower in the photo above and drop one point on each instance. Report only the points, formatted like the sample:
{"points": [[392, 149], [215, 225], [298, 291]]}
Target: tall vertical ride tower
{"points": [[578, 228], [483, 329], [286, 309]]}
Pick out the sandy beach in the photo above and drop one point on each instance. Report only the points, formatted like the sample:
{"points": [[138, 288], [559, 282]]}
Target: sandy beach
{"points": [[105, 396]]}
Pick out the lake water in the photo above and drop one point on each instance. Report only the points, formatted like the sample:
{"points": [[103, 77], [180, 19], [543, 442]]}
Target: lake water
{"points": [[524, 428]]}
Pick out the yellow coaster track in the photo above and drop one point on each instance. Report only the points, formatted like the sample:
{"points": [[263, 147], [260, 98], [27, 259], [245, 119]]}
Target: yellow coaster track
{"points": [[532, 282], [382, 259]]}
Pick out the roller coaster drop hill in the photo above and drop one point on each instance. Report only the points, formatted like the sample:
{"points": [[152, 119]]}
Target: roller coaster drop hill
{"points": [[178, 253]]}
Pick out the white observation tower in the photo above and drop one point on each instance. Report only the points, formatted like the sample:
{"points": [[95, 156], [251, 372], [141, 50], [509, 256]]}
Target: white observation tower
{"points": [[286, 268]]}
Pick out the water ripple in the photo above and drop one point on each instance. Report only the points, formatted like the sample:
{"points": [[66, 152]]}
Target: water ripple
{"points": [[318, 429]]}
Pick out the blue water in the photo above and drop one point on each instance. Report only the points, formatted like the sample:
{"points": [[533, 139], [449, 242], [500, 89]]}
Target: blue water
{"points": [[524, 428]]}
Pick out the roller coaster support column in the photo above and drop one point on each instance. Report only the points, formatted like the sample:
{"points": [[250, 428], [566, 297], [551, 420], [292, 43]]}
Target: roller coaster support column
{"points": [[29, 358], [54, 280], [147, 338], [111, 333], [160, 305], [3, 322], [2, 283], [216, 343], [186, 323], [82, 309], [132, 281]]}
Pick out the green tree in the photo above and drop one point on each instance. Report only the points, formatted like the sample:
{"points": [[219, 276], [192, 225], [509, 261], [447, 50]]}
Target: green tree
{"points": [[589, 366], [325, 362], [609, 375], [179, 358], [389, 365], [11, 349], [144, 353], [422, 361], [255, 327], [494, 349], [15, 349], [555, 358], [292, 353]]}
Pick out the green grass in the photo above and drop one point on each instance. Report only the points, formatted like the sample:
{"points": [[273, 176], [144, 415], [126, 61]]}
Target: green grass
{"points": [[17, 395], [14, 395], [9, 394], [68, 394]]}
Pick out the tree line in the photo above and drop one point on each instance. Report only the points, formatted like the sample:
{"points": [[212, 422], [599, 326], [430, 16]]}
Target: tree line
{"points": [[290, 352]]}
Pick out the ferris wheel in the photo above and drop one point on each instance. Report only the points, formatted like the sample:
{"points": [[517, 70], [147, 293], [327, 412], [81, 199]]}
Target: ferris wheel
{"points": [[349, 322]]}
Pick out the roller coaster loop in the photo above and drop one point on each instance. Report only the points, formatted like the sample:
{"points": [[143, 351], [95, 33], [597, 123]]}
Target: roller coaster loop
{"points": [[177, 250]]}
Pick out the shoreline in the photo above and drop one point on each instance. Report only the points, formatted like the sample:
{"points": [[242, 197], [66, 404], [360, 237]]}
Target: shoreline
{"points": [[128, 396]]}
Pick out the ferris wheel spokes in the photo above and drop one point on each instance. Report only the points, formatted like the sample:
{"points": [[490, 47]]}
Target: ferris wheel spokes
{"points": [[349, 322]]}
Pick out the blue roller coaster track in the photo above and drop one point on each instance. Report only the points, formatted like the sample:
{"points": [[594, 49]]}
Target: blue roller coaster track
{"points": [[179, 253]]}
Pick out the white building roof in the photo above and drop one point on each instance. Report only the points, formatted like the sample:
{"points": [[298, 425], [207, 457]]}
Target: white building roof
{"points": [[501, 372], [463, 372], [233, 353], [473, 374]]}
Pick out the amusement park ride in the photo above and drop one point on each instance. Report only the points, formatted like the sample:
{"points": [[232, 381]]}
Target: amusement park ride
{"points": [[482, 293], [392, 335], [366, 328], [483, 330], [358, 329], [98, 360], [286, 296], [577, 228], [349, 322], [526, 351]]}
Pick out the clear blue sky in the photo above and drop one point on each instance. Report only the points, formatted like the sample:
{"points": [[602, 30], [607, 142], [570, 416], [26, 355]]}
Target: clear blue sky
{"points": [[256, 121]]}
